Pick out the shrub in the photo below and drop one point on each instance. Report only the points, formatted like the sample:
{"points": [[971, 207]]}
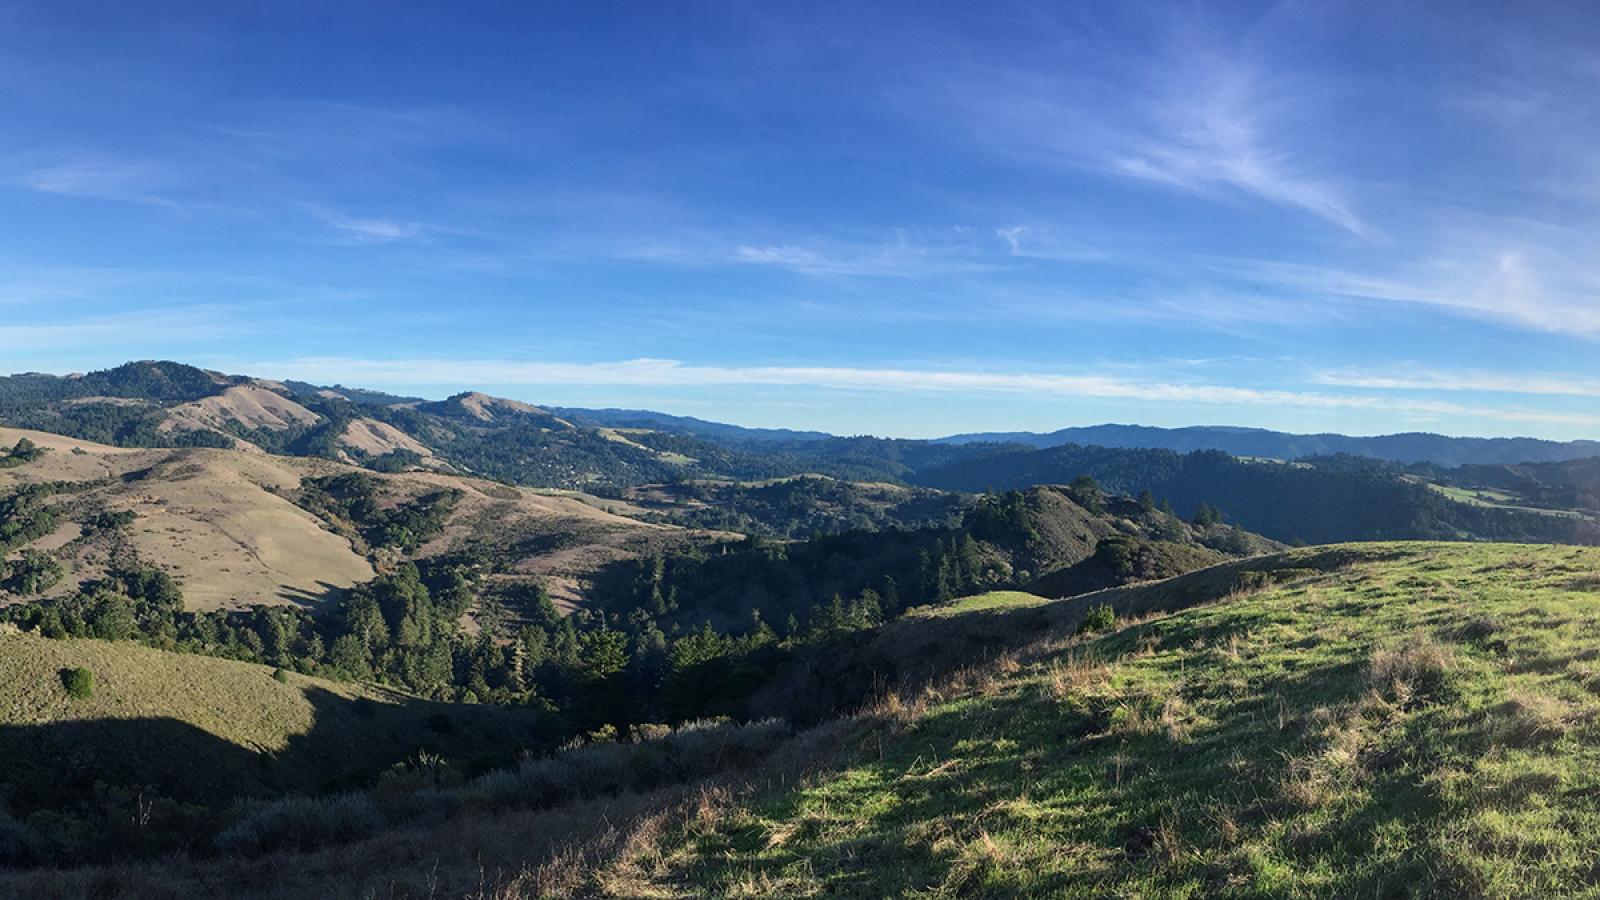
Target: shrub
{"points": [[280, 675], [1100, 617], [79, 683], [300, 823]]}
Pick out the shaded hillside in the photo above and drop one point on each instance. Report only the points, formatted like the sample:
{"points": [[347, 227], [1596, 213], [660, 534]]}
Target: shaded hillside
{"points": [[1003, 540], [189, 729], [1318, 503], [1119, 561], [1411, 447]]}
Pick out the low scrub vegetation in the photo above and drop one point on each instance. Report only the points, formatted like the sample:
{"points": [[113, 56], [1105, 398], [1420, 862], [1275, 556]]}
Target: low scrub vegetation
{"points": [[79, 683]]}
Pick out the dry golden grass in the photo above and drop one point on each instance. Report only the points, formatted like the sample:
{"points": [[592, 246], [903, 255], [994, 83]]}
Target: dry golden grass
{"points": [[224, 524]]}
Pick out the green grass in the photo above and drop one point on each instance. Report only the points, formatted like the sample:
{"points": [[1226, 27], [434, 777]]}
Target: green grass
{"points": [[978, 602], [1426, 724], [1494, 499], [205, 728]]}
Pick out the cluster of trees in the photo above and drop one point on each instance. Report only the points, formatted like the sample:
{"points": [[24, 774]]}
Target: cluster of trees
{"points": [[34, 571], [403, 629], [24, 452], [121, 425], [353, 504], [1003, 540], [157, 382], [24, 515], [398, 460]]}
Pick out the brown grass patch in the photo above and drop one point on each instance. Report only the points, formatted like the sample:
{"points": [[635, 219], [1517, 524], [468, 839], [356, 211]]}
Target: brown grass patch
{"points": [[1413, 673]]}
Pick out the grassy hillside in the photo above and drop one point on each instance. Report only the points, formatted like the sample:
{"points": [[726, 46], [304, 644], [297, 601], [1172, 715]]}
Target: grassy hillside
{"points": [[1367, 720], [1420, 721], [198, 728], [233, 528]]}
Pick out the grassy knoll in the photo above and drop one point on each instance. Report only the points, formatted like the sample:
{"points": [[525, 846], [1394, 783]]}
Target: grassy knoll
{"points": [[1423, 722], [202, 728], [978, 602]]}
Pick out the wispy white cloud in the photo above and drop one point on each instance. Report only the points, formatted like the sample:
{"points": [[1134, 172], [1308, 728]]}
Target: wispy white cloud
{"points": [[1417, 378], [900, 253], [1202, 113], [103, 179], [673, 373], [1212, 129], [1512, 272], [365, 230]]}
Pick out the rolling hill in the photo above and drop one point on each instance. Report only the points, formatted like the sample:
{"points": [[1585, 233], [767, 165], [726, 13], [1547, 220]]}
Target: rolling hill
{"points": [[232, 528]]}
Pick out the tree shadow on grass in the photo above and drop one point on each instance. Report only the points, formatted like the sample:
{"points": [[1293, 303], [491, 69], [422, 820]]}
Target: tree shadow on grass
{"points": [[323, 596], [351, 740]]}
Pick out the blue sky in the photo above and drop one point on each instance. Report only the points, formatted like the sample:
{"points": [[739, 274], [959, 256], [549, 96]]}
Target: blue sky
{"points": [[866, 218]]}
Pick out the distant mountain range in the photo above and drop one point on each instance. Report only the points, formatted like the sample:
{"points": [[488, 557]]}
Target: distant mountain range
{"points": [[1411, 447]]}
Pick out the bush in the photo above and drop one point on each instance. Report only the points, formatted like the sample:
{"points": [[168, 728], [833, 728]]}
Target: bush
{"points": [[1100, 617], [300, 823], [79, 683], [280, 675]]}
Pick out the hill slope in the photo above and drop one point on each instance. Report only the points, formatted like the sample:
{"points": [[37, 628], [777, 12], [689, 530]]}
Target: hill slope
{"points": [[1423, 717], [1322, 722], [235, 531]]}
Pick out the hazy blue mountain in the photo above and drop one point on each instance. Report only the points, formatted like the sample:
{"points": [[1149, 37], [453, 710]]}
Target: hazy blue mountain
{"points": [[1411, 447]]}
